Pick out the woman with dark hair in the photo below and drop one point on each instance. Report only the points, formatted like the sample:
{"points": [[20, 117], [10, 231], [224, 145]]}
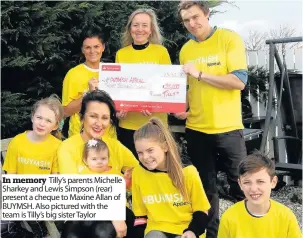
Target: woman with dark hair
{"points": [[82, 78], [97, 114]]}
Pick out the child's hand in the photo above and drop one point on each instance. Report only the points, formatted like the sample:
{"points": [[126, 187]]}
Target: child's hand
{"points": [[188, 234], [128, 177], [120, 227], [128, 173]]}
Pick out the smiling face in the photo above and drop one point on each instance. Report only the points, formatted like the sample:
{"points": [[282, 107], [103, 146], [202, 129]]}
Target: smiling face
{"points": [[44, 121], [196, 22], [96, 120], [92, 49], [140, 28], [97, 161], [257, 187], [151, 154]]}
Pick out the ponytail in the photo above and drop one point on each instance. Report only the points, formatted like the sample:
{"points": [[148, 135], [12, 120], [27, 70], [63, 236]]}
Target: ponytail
{"points": [[156, 130]]}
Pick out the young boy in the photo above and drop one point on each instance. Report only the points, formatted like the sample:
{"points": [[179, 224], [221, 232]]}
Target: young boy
{"points": [[258, 215]]}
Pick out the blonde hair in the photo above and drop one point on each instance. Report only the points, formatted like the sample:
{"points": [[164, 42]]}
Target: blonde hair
{"points": [[54, 104], [155, 37], [154, 129]]}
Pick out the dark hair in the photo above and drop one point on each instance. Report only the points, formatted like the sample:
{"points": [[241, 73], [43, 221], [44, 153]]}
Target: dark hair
{"points": [[184, 5], [256, 162], [92, 33], [154, 129], [103, 97], [99, 145]]}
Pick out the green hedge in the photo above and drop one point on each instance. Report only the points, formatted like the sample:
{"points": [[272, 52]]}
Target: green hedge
{"points": [[41, 41]]}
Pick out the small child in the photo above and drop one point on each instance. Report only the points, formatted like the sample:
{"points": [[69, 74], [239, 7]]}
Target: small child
{"points": [[258, 215], [96, 158], [35, 151]]}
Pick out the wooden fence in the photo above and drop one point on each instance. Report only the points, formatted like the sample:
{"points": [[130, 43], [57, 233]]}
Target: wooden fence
{"points": [[293, 58]]}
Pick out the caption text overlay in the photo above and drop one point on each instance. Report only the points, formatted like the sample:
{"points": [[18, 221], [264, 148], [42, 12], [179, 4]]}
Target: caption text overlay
{"points": [[63, 197]]}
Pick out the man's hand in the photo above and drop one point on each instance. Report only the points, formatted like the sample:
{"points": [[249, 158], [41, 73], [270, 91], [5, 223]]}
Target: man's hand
{"points": [[188, 234], [120, 227], [121, 114], [181, 115], [93, 84], [191, 69]]}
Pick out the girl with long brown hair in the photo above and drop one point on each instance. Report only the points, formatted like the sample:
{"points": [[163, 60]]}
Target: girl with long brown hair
{"points": [[168, 196]]}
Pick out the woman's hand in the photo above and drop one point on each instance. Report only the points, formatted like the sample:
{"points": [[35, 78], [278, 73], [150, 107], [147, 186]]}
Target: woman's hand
{"points": [[188, 234], [120, 227], [181, 115], [121, 114], [146, 113], [93, 84]]}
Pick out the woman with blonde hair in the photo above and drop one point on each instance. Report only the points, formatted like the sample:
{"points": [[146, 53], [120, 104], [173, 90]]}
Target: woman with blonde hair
{"points": [[142, 44], [168, 197]]}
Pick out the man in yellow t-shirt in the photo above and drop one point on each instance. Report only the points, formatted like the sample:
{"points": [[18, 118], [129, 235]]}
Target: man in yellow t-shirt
{"points": [[215, 61], [258, 215]]}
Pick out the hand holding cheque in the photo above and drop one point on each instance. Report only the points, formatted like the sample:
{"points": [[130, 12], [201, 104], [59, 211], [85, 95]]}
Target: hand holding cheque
{"points": [[145, 87]]}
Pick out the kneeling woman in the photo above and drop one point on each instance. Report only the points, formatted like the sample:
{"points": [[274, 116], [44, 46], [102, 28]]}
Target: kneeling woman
{"points": [[97, 114], [168, 197]]}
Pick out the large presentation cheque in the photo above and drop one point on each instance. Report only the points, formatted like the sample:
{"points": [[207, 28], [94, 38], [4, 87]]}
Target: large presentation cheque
{"points": [[137, 87]]}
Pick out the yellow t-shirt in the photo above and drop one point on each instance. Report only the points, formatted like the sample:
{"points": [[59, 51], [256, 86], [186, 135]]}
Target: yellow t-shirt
{"points": [[214, 110], [153, 54], [26, 157], [280, 221], [156, 197], [74, 85], [70, 155]]}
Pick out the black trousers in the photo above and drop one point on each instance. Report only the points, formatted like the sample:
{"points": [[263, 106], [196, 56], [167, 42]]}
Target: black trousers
{"points": [[98, 229], [205, 151], [13, 229], [126, 137]]}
